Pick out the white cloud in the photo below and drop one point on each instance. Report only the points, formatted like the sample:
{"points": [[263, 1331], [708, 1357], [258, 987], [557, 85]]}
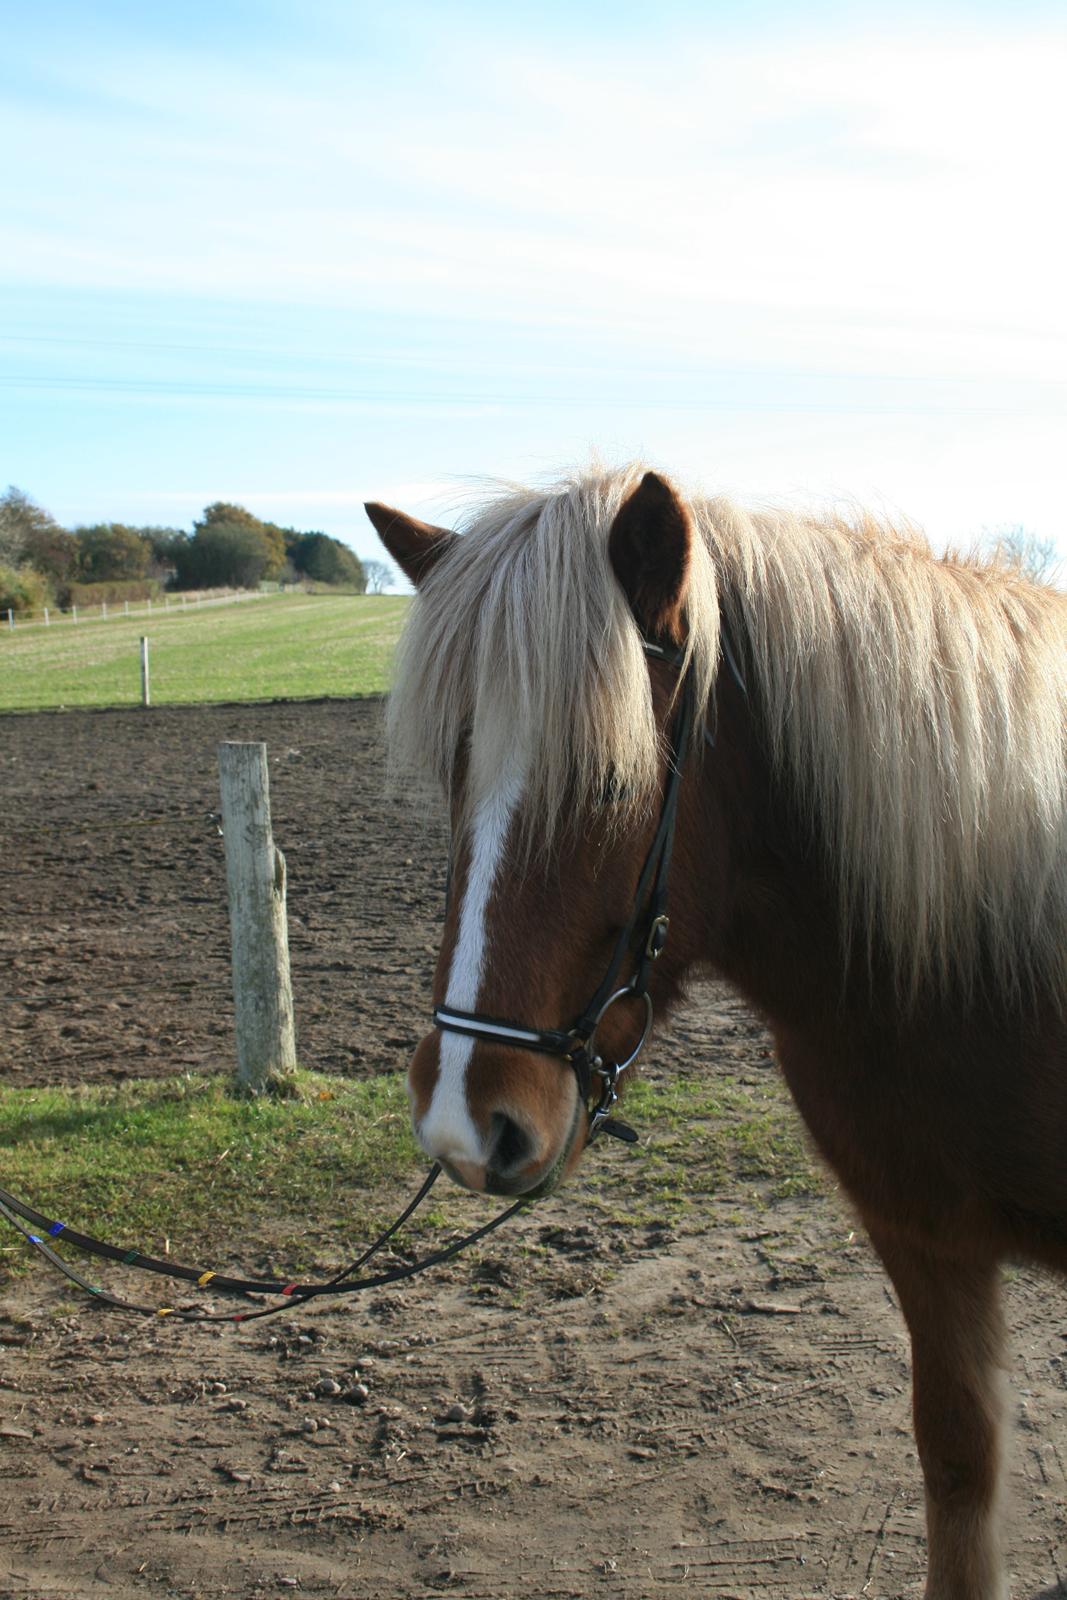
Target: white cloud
{"points": [[860, 189]]}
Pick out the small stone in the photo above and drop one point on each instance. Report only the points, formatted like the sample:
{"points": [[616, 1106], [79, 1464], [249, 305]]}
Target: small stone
{"points": [[216, 1388], [457, 1413], [309, 1425], [358, 1395], [235, 1405], [327, 1386]]}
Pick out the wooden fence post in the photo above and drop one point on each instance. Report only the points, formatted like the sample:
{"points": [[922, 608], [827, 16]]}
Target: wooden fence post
{"points": [[146, 698], [255, 878]]}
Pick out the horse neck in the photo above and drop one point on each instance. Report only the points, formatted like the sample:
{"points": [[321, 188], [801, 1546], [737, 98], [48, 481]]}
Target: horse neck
{"points": [[771, 916]]}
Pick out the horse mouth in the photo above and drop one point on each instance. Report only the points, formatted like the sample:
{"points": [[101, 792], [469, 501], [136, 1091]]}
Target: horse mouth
{"points": [[530, 1181], [543, 1181], [523, 1186]]}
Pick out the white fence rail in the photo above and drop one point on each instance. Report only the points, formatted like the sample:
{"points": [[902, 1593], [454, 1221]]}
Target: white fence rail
{"points": [[166, 605]]}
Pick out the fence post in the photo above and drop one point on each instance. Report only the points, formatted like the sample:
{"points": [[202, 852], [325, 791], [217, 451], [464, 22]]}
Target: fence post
{"points": [[46, 616], [10, 617], [74, 611], [146, 699], [255, 879]]}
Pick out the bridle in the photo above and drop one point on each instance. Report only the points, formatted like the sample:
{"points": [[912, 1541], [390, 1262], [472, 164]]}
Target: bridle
{"points": [[643, 938]]}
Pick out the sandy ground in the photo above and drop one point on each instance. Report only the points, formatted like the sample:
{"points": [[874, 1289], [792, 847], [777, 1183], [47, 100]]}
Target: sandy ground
{"points": [[716, 1408]]}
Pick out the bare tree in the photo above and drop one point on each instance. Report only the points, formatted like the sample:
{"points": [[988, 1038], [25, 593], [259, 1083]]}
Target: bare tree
{"points": [[379, 574], [1015, 546]]}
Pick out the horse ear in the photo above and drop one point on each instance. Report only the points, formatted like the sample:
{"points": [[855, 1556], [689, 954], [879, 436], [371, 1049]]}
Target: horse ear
{"points": [[415, 546], [649, 547]]}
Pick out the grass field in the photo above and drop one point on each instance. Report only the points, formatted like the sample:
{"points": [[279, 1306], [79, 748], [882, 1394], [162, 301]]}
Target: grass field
{"points": [[277, 647], [182, 1160]]}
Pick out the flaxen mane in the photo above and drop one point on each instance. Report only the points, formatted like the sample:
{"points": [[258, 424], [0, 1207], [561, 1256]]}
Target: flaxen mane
{"points": [[914, 705]]}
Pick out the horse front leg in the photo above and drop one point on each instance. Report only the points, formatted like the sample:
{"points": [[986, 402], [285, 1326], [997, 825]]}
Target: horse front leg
{"points": [[952, 1308]]}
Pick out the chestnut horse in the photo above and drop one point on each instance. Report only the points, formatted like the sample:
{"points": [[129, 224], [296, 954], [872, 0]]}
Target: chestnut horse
{"points": [[856, 751]]}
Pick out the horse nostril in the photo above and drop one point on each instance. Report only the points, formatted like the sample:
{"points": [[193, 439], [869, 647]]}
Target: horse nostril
{"points": [[510, 1145]]}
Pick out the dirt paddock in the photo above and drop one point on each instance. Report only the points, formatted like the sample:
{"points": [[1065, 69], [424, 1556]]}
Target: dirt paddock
{"points": [[716, 1408]]}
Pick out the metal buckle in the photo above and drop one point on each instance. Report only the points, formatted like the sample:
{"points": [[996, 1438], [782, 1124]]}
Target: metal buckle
{"points": [[657, 937], [609, 1097]]}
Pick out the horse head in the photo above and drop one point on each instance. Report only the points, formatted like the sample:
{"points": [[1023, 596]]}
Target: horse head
{"points": [[554, 949]]}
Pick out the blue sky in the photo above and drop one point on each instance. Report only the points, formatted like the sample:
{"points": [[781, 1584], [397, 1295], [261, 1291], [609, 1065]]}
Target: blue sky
{"points": [[300, 255]]}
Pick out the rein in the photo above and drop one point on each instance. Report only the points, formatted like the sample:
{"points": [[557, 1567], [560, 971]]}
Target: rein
{"points": [[344, 1282]]}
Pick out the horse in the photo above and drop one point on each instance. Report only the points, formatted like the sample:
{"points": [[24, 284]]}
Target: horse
{"points": [[807, 754]]}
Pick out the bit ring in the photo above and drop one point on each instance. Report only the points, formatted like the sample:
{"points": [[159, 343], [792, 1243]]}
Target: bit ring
{"points": [[627, 992]]}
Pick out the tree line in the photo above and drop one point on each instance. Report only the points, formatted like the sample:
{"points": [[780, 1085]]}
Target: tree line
{"points": [[42, 563]]}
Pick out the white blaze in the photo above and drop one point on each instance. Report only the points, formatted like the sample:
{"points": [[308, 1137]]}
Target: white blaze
{"points": [[447, 1130]]}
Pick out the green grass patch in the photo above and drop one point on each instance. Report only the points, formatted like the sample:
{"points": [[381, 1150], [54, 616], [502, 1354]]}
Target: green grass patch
{"points": [[281, 646], [184, 1161], [700, 1137], [182, 1164]]}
